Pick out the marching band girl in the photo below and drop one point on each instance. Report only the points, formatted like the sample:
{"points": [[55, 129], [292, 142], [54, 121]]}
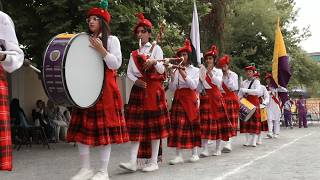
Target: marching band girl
{"points": [[103, 124]]}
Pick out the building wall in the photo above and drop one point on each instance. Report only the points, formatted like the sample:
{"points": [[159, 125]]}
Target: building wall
{"points": [[27, 87]]}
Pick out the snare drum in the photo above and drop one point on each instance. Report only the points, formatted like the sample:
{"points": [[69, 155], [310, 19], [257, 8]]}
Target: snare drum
{"points": [[247, 109], [73, 72]]}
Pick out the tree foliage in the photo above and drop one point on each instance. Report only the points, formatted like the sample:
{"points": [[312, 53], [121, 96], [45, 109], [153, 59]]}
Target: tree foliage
{"points": [[241, 28]]}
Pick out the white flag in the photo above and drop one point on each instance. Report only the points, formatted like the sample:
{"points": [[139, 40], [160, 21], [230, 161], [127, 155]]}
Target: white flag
{"points": [[195, 33]]}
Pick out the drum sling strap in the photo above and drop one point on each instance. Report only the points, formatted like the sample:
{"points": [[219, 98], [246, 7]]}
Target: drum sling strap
{"points": [[250, 84]]}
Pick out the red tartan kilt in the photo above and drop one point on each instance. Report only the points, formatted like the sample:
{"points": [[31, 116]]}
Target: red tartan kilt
{"points": [[89, 126], [5, 128], [233, 107], [253, 125], [183, 134], [146, 125], [214, 123], [264, 126]]}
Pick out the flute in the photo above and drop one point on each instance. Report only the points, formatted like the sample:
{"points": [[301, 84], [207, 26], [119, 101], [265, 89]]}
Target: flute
{"points": [[174, 66], [167, 60], [140, 44]]}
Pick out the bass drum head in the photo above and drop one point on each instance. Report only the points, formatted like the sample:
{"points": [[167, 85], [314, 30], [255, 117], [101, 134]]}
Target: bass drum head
{"points": [[84, 72]]}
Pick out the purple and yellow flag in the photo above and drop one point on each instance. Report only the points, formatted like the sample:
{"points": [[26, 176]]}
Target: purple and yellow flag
{"points": [[280, 64]]}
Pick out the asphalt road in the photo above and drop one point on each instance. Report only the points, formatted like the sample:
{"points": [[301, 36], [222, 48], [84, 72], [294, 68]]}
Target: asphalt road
{"points": [[294, 155]]}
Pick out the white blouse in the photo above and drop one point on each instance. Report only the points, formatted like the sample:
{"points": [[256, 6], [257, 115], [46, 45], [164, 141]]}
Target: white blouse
{"points": [[265, 95], [8, 39], [114, 57], [216, 77], [133, 73], [231, 81], [192, 79], [254, 90]]}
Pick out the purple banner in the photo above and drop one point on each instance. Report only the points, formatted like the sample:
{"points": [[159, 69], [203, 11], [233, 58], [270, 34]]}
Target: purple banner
{"points": [[284, 73]]}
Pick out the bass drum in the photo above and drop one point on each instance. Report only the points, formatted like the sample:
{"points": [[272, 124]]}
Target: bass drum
{"points": [[73, 72]]}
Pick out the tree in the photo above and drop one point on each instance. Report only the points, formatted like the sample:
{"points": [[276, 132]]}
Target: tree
{"points": [[37, 21], [249, 32]]}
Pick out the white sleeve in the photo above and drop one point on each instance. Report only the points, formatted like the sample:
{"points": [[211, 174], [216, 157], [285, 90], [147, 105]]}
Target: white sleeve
{"points": [[7, 33], [202, 73], [130, 70], [266, 96], [282, 89], [217, 80], [255, 88], [232, 82], [192, 79], [159, 55], [172, 85], [240, 93], [114, 57]]}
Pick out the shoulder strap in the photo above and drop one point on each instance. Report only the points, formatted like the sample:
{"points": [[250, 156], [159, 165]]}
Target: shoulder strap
{"points": [[251, 84]]}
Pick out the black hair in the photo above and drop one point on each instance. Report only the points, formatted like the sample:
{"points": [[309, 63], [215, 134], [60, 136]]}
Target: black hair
{"points": [[215, 60], [145, 28], [105, 31]]}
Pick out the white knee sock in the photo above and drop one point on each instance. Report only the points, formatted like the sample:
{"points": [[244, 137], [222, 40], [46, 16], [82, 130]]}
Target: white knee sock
{"points": [[276, 127], [247, 139], [205, 144], [104, 157], [155, 150], [260, 138], [178, 152], [134, 151], [254, 139], [270, 126], [195, 151], [84, 152], [218, 143]]}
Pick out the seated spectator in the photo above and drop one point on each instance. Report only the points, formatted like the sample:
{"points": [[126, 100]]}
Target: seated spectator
{"points": [[19, 122], [38, 116], [53, 115], [66, 116], [18, 117]]}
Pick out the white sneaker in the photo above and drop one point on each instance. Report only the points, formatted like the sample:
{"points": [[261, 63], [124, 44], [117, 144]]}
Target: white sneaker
{"points": [[246, 143], [254, 145], [275, 136], [269, 136], [227, 148], [176, 160], [129, 166], [217, 153], [141, 163], [100, 175], [151, 167], [204, 154], [83, 174], [259, 142], [194, 158]]}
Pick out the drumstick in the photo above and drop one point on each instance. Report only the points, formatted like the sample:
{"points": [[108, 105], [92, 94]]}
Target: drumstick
{"points": [[34, 68]]}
